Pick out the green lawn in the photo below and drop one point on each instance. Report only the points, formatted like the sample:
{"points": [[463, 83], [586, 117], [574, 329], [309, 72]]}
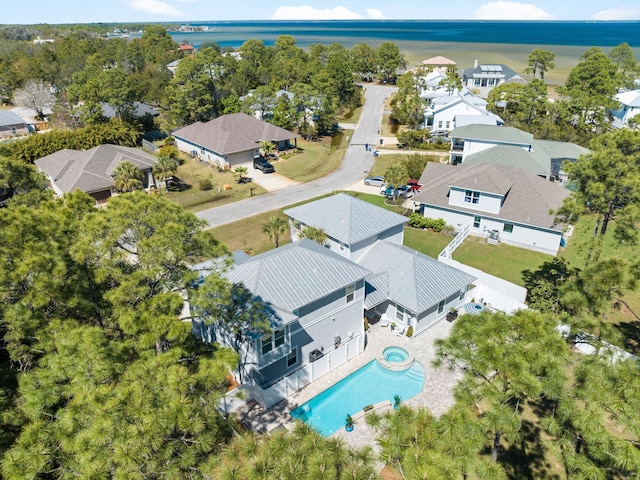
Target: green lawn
{"points": [[501, 260], [425, 241], [314, 159], [194, 199]]}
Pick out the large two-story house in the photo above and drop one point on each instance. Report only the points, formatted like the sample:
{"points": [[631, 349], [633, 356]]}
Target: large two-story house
{"points": [[484, 78], [446, 112], [505, 204], [317, 297], [509, 146]]}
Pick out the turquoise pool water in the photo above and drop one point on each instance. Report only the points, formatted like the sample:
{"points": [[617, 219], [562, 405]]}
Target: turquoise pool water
{"points": [[395, 354], [369, 385]]}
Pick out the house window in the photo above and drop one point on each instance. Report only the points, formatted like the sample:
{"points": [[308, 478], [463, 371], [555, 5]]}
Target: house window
{"points": [[476, 221], [351, 292], [476, 82], [491, 82], [399, 313], [274, 340], [278, 337], [471, 197], [292, 358], [14, 131], [448, 124], [439, 123], [441, 306], [508, 228]]}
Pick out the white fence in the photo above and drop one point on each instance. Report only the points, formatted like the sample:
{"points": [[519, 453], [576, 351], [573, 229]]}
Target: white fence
{"points": [[456, 242], [302, 377]]}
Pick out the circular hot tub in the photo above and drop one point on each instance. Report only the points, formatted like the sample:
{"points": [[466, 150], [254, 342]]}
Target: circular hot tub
{"points": [[395, 354], [474, 308], [395, 358]]}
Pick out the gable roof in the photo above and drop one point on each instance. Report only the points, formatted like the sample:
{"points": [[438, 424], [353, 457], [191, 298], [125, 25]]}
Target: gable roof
{"points": [[534, 160], [90, 170], [346, 218], [9, 118], [139, 110], [233, 133], [560, 150], [490, 133], [630, 98], [528, 198], [497, 69], [296, 274], [411, 279], [439, 60]]}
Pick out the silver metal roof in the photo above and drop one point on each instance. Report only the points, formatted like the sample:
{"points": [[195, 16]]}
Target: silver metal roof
{"points": [[346, 218], [296, 274], [415, 281]]}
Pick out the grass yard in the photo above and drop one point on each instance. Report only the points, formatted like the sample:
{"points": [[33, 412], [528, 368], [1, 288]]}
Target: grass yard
{"points": [[194, 199], [315, 159], [426, 241], [347, 115], [247, 235], [502, 260]]}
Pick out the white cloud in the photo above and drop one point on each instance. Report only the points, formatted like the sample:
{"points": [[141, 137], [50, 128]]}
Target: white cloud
{"points": [[511, 11], [308, 12], [157, 7], [617, 13]]}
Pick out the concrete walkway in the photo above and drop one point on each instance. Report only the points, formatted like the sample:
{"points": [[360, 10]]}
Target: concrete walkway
{"points": [[356, 163]]}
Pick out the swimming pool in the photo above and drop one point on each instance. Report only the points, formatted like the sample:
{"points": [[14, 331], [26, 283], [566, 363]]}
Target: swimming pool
{"points": [[369, 385]]}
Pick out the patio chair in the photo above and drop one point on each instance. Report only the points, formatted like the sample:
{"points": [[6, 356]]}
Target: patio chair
{"points": [[384, 321], [400, 330]]}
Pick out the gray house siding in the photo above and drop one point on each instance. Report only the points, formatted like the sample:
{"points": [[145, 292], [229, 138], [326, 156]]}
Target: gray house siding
{"points": [[392, 235]]}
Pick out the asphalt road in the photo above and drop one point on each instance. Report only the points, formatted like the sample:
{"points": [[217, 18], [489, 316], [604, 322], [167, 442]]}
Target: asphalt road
{"points": [[357, 162]]}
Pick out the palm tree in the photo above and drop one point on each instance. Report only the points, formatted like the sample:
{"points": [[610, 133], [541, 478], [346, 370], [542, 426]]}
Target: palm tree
{"points": [[164, 168], [240, 172], [127, 177], [318, 235], [274, 227], [266, 147]]}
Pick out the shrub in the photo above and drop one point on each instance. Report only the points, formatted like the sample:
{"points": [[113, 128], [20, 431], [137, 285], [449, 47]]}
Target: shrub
{"points": [[410, 331], [205, 184], [418, 221], [169, 151]]}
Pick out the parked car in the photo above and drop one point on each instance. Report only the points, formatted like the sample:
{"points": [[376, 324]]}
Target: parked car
{"points": [[414, 185], [377, 181], [263, 164], [404, 191]]}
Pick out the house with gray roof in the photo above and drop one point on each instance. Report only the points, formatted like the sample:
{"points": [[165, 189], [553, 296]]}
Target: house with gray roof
{"points": [[505, 203], [351, 225], [315, 300], [447, 112], [629, 102], [475, 144], [92, 170], [230, 140], [11, 125], [410, 288], [484, 78]]}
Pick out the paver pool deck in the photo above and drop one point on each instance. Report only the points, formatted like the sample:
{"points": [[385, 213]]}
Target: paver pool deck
{"points": [[436, 393]]}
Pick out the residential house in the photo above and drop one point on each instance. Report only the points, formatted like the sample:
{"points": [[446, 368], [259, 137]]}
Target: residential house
{"points": [[139, 110], [629, 108], [30, 117], [475, 144], [439, 63], [11, 125], [92, 170], [431, 84], [447, 112], [484, 78], [502, 203], [173, 66], [230, 140], [350, 224], [469, 139], [409, 288], [265, 111], [315, 300]]}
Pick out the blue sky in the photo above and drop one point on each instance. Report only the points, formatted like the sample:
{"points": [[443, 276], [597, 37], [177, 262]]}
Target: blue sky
{"points": [[84, 11]]}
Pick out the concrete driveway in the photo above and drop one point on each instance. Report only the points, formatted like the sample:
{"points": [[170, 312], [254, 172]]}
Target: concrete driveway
{"points": [[270, 181]]}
